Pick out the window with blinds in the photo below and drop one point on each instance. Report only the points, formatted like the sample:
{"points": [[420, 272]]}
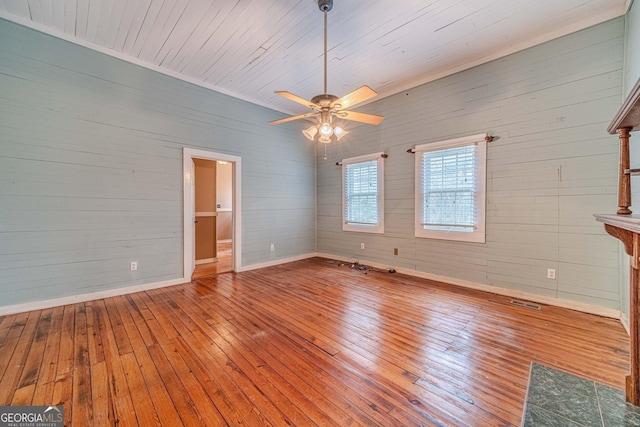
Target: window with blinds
{"points": [[450, 189], [362, 197]]}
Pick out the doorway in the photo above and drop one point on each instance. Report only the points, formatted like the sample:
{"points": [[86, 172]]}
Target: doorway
{"points": [[211, 220]]}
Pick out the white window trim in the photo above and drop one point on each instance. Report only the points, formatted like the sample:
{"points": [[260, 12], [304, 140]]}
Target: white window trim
{"points": [[366, 228], [478, 235]]}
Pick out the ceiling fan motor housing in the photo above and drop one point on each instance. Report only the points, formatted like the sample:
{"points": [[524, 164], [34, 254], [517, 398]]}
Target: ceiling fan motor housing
{"points": [[325, 5], [324, 100]]}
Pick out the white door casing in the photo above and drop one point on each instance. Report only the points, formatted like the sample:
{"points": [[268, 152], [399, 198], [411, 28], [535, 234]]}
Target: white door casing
{"points": [[189, 207]]}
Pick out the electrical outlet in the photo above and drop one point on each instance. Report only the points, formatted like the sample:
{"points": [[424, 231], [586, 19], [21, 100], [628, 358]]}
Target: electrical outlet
{"points": [[395, 251], [133, 266], [551, 273], [273, 247], [361, 245]]}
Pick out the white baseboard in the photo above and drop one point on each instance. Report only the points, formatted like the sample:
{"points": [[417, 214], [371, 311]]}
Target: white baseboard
{"points": [[276, 262], [573, 305], [73, 299], [624, 319]]}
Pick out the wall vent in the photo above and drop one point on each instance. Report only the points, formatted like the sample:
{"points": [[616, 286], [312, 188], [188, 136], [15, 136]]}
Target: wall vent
{"points": [[525, 304]]}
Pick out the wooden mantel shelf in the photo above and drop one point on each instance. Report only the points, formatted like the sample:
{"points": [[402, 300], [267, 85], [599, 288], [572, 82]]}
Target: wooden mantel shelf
{"points": [[626, 228], [626, 222]]}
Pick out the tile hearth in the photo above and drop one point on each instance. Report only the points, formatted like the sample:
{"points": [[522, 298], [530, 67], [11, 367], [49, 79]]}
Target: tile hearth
{"points": [[556, 398]]}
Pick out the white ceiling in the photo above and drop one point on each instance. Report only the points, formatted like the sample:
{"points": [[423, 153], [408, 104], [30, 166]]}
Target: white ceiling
{"points": [[251, 48]]}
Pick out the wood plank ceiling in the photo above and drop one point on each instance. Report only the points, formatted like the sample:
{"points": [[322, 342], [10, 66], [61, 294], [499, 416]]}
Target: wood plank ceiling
{"points": [[250, 48]]}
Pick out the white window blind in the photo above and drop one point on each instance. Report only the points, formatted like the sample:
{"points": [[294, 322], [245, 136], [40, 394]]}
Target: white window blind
{"points": [[361, 193], [363, 196], [450, 189]]}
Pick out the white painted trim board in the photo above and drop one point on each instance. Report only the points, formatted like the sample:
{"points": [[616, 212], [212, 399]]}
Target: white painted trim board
{"points": [[578, 306], [73, 299], [277, 262], [91, 296], [558, 302], [188, 154]]}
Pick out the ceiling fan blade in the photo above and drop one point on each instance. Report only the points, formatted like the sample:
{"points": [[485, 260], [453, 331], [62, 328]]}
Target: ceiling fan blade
{"points": [[296, 98], [371, 119], [288, 119], [357, 96]]}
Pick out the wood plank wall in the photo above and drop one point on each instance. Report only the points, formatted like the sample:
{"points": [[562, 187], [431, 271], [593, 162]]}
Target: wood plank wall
{"points": [[551, 167], [632, 48], [631, 76], [91, 170]]}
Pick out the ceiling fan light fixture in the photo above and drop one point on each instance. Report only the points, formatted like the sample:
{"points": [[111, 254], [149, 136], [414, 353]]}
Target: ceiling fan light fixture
{"points": [[340, 133], [326, 130], [327, 106], [311, 132]]}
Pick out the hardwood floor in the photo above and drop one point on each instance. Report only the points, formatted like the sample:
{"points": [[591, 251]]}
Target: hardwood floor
{"points": [[307, 343]]}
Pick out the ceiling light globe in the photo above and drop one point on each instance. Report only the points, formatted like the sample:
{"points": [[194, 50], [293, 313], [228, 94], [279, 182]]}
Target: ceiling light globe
{"points": [[324, 139], [326, 130], [338, 131], [310, 132], [341, 135]]}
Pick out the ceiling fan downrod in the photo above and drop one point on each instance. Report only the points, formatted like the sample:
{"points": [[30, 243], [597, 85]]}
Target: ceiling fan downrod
{"points": [[325, 7]]}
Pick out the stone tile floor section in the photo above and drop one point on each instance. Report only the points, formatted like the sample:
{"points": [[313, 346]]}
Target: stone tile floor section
{"points": [[556, 398]]}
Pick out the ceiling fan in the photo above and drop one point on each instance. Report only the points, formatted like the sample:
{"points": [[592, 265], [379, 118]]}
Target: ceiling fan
{"points": [[327, 106]]}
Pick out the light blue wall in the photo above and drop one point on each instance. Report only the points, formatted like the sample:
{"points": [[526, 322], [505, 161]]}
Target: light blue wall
{"points": [[631, 76], [91, 170], [632, 48], [551, 167]]}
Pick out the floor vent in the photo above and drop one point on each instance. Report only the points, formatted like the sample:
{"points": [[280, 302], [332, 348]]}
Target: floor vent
{"points": [[525, 304]]}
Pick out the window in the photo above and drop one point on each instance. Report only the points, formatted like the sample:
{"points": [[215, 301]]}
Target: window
{"points": [[363, 195], [450, 189]]}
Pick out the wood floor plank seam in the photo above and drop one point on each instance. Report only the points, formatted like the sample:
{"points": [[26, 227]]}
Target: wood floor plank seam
{"points": [[398, 398], [409, 398], [242, 359], [15, 367], [295, 340], [268, 361]]}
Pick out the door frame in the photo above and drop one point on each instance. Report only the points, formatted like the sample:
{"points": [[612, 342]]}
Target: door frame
{"points": [[188, 229]]}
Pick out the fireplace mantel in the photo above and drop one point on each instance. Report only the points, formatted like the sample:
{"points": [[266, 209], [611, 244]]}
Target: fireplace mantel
{"points": [[626, 227]]}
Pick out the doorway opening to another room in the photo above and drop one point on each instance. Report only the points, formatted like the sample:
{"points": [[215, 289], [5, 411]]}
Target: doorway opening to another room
{"points": [[211, 213]]}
